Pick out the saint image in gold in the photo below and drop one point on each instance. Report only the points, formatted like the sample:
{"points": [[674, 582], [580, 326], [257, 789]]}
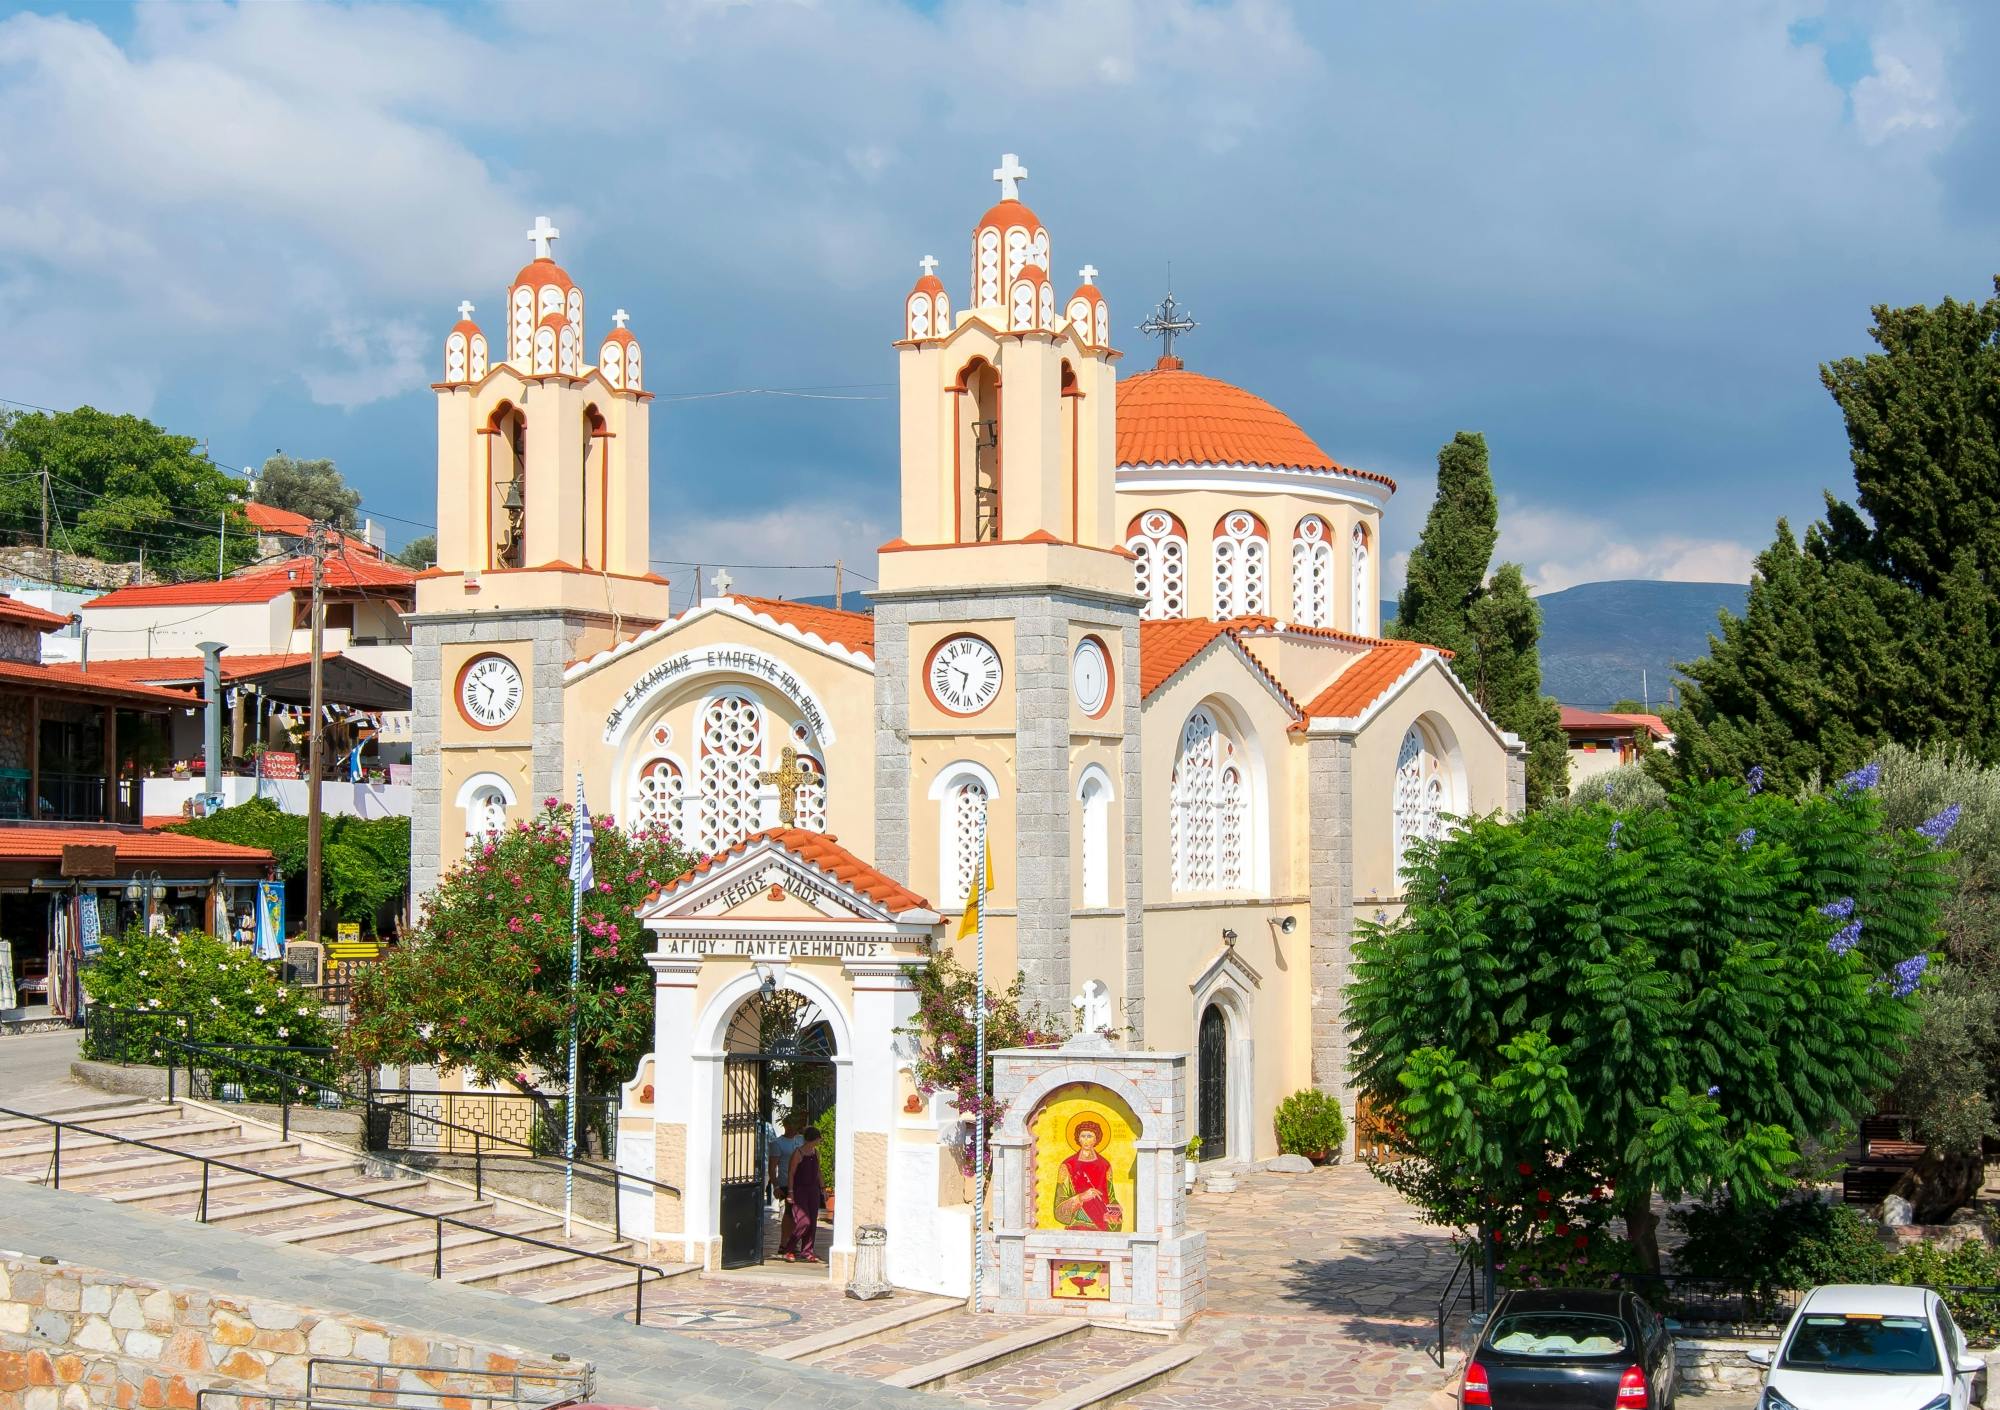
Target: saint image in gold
{"points": [[1086, 1195]]}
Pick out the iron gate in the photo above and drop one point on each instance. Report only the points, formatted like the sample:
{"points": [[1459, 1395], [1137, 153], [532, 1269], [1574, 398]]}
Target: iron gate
{"points": [[779, 1061], [1212, 1085], [744, 1159]]}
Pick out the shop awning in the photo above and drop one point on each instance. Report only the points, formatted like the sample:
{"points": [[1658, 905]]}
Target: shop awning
{"points": [[286, 678]]}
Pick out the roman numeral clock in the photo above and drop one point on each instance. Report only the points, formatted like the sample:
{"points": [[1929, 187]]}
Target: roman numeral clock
{"points": [[963, 674], [489, 690]]}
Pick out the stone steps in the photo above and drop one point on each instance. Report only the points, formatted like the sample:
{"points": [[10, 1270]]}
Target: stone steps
{"points": [[602, 1285], [81, 1170]]}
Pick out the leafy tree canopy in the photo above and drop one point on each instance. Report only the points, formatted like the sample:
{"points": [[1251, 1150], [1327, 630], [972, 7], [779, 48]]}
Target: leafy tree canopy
{"points": [[1588, 1005], [482, 983], [314, 488], [419, 553], [364, 862], [120, 488]]}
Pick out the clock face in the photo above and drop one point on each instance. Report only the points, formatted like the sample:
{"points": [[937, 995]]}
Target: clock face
{"points": [[964, 674], [1090, 676], [489, 691]]}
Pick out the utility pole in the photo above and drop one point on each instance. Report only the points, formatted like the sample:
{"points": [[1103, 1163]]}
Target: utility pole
{"points": [[221, 540], [46, 555], [839, 598], [318, 728]]}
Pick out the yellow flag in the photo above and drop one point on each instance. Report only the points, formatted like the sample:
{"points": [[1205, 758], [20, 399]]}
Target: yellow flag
{"points": [[968, 924]]}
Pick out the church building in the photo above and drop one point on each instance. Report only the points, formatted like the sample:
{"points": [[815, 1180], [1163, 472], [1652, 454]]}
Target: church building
{"points": [[1130, 625]]}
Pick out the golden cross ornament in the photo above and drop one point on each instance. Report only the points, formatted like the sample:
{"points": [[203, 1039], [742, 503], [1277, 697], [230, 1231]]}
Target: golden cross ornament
{"points": [[789, 778]]}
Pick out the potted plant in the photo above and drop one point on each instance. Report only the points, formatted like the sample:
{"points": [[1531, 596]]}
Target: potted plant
{"points": [[1193, 1158], [1309, 1123]]}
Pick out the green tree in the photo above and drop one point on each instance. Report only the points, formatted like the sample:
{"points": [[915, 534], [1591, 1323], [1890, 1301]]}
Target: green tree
{"points": [[119, 488], [1629, 706], [1494, 628], [314, 488], [1583, 1007], [419, 553], [1883, 625], [482, 983], [364, 862]]}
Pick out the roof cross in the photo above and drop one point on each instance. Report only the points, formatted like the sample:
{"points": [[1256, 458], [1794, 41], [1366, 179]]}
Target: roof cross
{"points": [[721, 582], [789, 778], [543, 235], [1010, 174], [621, 318], [465, 308], [1166, 323], [1088, 274], [928, 264]]}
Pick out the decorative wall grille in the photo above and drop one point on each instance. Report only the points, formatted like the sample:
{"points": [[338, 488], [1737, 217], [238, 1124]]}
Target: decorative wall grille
{"points": [[1242, 566], [732, 729], [1312, 573], [1158, 545]]}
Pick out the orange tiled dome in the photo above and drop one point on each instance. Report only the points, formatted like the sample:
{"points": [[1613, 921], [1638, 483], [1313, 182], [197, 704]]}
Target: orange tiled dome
{"points": [[1171, 416]]}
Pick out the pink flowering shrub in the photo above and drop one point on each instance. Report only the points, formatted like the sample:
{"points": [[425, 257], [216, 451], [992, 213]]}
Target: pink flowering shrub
{"points": [[482, 982]]}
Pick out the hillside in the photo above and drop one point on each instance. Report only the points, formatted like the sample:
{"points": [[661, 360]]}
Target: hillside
{"points": [[1597, 638]]}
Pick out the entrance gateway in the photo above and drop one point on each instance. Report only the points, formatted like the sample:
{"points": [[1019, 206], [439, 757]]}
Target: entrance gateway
{"points": [[783, 969]]}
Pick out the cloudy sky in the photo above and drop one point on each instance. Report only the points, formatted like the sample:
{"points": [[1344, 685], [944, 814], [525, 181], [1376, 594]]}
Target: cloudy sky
{"points": [[1617, 238]]}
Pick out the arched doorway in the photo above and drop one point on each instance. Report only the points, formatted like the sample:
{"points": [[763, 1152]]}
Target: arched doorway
{"points": [[1212, 1084], [778, 1062]]}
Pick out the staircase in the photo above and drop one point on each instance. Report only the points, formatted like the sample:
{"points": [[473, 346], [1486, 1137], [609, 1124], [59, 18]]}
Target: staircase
{"points": [[197, 1162]]}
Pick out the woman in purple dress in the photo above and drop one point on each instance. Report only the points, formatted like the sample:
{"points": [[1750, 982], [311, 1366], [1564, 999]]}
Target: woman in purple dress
{"points": [[808, 1198]]}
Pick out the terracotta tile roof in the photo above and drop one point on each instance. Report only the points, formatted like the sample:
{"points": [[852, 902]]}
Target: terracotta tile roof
{"points": [[1363, 683], [853, 630], [1609, 722], [344, 573], [1166, 646], [67, 677], [23, 614], [823, 852], [1257, 626], [269, 519], [182, 670], [1169, 416], [28, 842]]}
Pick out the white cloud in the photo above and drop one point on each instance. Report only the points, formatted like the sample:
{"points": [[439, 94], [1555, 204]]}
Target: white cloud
{"points": [[1558, 548], [751, 546]]}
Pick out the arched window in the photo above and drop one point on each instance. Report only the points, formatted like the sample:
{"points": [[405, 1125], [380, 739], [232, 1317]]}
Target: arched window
{"points": [[1242, 565], [1158, 544], [1312, 573], [1210, 820], [977, 492], [1364, 620], [485, 799], [963, 792], [594, 548], [732, 738], [1094, 798], [1423, 791], [658, 795], [506, 487]]}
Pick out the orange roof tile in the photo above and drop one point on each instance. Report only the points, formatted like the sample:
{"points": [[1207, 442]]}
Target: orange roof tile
{"points": [[17, 613], [67, 677], [1169, 416], [1363, 682], [1613, 722], [269, 519], [344, 573], [853, 630], [179, 670], [1166, 646], [28, 842], [822, 852]]}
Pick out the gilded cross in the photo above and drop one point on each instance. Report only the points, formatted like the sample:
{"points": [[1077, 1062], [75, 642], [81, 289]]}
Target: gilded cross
{"points": [[542, 235], [789, 778]]}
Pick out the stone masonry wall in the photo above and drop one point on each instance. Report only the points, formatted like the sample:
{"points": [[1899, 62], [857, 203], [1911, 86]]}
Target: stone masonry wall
{"points": [[74, 1338], [1330, 875]]}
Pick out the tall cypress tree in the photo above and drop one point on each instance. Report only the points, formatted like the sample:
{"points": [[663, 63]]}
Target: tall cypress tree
{"points": [[1494, 628]]}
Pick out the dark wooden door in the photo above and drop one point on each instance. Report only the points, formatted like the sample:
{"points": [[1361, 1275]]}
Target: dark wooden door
{"points": [[1212, 1084], [744, 1157]]}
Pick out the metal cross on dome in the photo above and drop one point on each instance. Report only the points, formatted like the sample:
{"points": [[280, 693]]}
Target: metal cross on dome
{"points": [[1010, 174], [544, 234], [1168, 322]]}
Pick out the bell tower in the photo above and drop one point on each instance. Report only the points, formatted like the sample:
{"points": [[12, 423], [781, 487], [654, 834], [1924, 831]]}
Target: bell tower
{"points": [[1006, 627], [543, 514]]}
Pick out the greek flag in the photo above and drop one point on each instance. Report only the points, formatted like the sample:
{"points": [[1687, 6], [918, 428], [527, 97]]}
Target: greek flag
{"points": [[582, 874]]}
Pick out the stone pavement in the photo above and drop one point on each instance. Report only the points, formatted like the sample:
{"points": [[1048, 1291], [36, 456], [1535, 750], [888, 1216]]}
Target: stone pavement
{"points": [[34, 1071]]}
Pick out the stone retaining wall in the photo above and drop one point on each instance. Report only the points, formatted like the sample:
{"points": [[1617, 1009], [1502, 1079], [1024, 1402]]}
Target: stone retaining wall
{"points": [[74, 1338]]}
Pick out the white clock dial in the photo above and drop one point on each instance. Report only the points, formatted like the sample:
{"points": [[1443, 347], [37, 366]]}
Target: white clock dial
{"points": [[964, 674], [489, 691], [1090, 676]]}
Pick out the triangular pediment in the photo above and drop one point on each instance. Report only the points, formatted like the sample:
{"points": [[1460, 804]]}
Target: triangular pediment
{"points": [[789, 877]]}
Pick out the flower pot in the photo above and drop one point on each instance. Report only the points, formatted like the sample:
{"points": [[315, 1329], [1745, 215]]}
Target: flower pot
{"points": [[1188, 1169]]}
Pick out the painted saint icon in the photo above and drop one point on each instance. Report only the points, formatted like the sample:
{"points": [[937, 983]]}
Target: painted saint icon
{"points": [[1086, 1196]]}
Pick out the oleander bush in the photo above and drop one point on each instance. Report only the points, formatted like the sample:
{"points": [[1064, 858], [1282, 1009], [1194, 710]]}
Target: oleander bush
{"points": [[194, 987]]}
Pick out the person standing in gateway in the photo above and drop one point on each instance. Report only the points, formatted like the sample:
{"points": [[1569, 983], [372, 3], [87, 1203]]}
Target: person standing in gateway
{"points": [[808, 1198], [782, 1150]]}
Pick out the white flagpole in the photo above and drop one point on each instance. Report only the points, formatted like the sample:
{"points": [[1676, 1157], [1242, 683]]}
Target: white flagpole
{"points": [[575, 1018], [979, 1080]]}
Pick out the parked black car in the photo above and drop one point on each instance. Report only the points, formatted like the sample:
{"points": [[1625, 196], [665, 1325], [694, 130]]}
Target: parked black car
{"points": [[1571, 1349]]}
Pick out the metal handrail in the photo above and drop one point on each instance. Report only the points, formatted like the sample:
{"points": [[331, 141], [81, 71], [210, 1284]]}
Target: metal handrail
{"points": [[439, 1221], [568, 1387], [1449, 1299]]}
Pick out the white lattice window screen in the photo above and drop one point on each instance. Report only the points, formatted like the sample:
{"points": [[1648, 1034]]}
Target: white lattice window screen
{"points": [[732, 730], [1232, 852], [1159, 565], [658, 795], [1361, 614], [965, 808], [1242, 567], [485, 817], [810, 801], [1421, 793], [1194, 830], [1312, 573], [1096, 800]]}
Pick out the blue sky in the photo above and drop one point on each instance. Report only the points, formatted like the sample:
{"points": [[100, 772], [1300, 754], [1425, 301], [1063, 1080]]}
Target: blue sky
{"points": [[1619, 239]]}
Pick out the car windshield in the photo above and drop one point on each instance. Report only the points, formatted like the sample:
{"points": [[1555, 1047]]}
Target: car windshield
{"points": [[1880, 1346], [1557, 1333]]}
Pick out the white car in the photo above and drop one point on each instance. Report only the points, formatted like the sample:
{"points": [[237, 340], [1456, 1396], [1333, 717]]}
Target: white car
{"points": [[1855, 1346]]}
